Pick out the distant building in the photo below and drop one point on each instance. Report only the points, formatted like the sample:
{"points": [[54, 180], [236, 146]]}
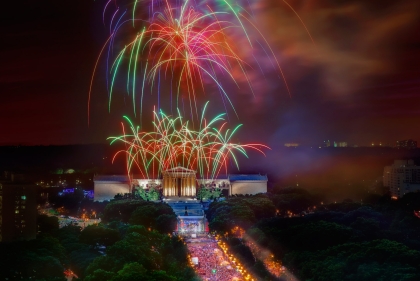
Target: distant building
{"points": [[327, 143], [18, 211], [340, 144], [248, 184], [407, 144], [291, 144], [401, 178], [179, 182], [106, 187]]}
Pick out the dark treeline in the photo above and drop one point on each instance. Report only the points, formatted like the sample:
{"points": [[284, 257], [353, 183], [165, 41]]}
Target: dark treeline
{"points": [[133, 242], [376, 239]]}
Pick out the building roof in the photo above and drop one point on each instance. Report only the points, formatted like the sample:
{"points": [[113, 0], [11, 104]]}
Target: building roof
{"points": [[179, 169], [113, 178], [218, 177], [247, 177], [230, 177]]}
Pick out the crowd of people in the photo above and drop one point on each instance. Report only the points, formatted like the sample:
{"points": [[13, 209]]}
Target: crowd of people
{"points": [[212, 263]]}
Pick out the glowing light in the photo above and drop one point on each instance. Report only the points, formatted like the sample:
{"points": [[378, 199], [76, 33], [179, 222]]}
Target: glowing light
{"points": [[173, 141]]}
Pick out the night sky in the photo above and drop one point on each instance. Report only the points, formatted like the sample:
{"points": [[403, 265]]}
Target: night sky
{"points": [[359, 81]]}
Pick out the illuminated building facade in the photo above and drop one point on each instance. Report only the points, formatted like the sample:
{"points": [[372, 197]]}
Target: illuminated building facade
{"points": [[179, 182], [401, 178], [17, 211]]}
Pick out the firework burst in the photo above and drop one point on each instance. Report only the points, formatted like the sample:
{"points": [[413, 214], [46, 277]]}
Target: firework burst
{"points": [[208, 150], [178, 49]]}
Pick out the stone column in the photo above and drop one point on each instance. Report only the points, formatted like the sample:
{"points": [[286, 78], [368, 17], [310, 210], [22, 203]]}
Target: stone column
{"points": [[168, 186], [165, 185], [173, 186], [189, 186], [192, 186], [186, 186]]}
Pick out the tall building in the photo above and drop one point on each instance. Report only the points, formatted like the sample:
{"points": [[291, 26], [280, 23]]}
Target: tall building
{"points": [[407, 144], [401, 178], [17, 211]]}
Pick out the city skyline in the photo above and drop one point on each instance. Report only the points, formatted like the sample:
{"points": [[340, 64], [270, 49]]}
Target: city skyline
{"points": [[356, 82]]}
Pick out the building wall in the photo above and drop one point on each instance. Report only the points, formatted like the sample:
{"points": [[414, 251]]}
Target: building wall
{"points": [[214, 183], [387, 176], [107, 190], [18, 212], [248, 187], [401, 178], [106, 187], [147, 183]]}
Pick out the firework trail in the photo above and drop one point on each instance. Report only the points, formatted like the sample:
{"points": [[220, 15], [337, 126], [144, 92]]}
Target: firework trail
{"points": [[178, 49], [207, 150]]}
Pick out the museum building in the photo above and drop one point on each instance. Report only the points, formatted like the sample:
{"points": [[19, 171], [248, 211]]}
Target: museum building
{"points": [[178, 182]]}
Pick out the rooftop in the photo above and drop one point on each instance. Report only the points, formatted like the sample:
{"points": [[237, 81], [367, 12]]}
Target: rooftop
{"points": [[247, 177], [116, 178]]}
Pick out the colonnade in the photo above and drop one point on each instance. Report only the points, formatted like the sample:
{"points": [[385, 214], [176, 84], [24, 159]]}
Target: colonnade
{"points": [[179, 185]]}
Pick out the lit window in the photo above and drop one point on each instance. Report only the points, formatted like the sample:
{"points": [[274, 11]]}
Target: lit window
{"points": [[23, 197], [17, 212]]}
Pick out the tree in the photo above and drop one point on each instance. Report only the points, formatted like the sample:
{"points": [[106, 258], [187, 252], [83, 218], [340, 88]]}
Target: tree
{"points": [[144, 215], [131, 272], [166, 223], [100, 275], [242, 215], [262, 206], [47, 224], [81, 258], [97, 235], [203, 193], [141, 193], [153, 194]]}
